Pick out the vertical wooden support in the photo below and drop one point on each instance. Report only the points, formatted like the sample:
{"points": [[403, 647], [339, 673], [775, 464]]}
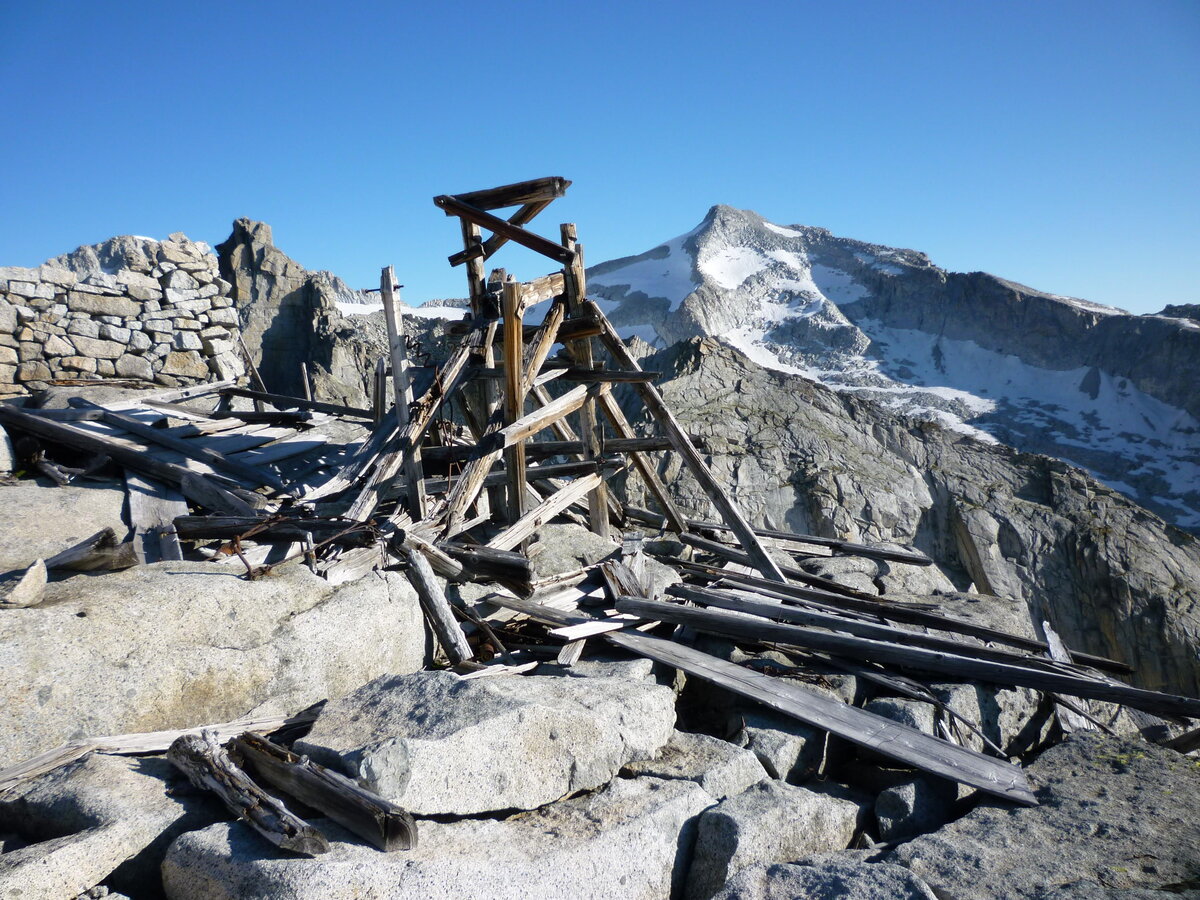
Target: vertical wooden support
{"points": [[514, 395], [576, 294], [414, 472], [379, 392], [306, 381]]}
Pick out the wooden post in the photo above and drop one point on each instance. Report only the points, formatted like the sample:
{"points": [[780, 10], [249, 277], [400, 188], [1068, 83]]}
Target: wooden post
{"points": [[379, 392], [306, 381], [514, 397], [437, 607], [402, 389], [592, 434]]}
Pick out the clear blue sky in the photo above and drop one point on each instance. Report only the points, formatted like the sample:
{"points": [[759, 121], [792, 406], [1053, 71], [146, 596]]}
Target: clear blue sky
{"points": [[1053, 143]]}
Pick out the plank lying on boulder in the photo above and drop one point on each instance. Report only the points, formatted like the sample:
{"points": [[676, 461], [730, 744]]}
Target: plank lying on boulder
{"points": [[368, 815], [900, 742], [100, 552], [208, 766], [737, 626], [898, 612]]}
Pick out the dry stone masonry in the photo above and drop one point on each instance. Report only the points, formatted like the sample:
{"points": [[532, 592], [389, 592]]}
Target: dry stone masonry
{"points": [[130, 308]]}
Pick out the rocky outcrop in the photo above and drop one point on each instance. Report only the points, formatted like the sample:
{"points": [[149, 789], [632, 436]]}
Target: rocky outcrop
{"points": [[1112, 578], [179, 644], [130, 308], [626, 842], [289, 317], [1115, 817]]}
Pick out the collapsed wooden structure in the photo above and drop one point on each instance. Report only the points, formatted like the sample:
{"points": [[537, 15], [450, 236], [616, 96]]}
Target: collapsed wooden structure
{"points": [[454, 473]]}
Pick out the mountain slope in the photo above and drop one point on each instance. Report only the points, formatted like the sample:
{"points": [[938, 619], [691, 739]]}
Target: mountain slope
{"points": [[1098, 387]]}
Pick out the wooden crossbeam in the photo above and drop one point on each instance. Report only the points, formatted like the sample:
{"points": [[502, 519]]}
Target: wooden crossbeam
{"points": [[544, 512], [535, 190], [535, 242], [485, 250]]}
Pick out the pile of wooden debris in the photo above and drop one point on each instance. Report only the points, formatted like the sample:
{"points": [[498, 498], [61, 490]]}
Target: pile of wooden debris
{"points": [[454, 470]]}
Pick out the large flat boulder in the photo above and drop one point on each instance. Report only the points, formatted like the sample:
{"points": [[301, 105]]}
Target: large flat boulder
{"points": [[178, 644], [831, 877], [437, 744], [1116, 816], [42, 519], [625, 842], [721, 768], [101, 819]]}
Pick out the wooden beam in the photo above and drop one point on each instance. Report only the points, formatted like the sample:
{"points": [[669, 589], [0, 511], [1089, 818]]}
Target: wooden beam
{"points": [[533, 191], [590, 429], [653, 400], [402, 390], [535, 242], [544, 512], [514, 398], [900, 742], [381, 822], [283, 401], [153, 508], [206, 764], [437, 607], [738, 626], [544, 342], [485, 250]]}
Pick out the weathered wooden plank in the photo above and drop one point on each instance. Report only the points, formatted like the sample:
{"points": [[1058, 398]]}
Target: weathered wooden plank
{"points": [[198, 528], [402, 391], [540, 289], [222, 462], [283, 401], [900, 612], [530, 424], [543, 513], [437, 607], [153, 508], [900, 742], [653, 400], [732, 625], [543, 342], [206, 764], [535, 242], [100, 552], [532, 191], [514, 399], [379, 821]]}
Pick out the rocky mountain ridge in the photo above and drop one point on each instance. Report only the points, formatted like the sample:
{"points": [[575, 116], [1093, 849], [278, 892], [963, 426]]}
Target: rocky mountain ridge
{"points": [[1103, 389]]}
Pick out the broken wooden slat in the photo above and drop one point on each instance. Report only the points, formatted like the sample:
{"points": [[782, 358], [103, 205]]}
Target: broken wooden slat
{"points": [[892, 739], [1070, 720], [402, 391], [532, 191], [733, 625], [535, 242], [544, 512], [368, 815], [100, 552], [900, 612], [206, 764], [437, 607], [207, 493], [153, 508], [283, 401], [653, 400]]}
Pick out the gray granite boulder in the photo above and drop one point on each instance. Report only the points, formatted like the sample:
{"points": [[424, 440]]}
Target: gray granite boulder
{"points": [[178, 644], [1116, 816], [437, 744], [721, 768], [625, 842], [771, 822], [832, 877]]}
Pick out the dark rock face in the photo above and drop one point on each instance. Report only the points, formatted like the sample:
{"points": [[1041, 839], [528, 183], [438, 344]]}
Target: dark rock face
{"points": [[1111, 577]]}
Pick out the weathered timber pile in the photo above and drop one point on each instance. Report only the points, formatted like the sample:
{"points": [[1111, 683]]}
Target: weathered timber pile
{"points": [[613, 702]]}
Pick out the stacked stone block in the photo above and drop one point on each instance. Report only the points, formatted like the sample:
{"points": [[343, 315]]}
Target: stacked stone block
{"points": [[130, 308]]}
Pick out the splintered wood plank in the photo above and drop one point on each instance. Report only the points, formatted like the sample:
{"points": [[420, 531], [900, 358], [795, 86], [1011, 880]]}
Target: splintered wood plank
{"points": [[208, 766], [534, 292], [900, 742], [153, 508], [437, 607]]}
